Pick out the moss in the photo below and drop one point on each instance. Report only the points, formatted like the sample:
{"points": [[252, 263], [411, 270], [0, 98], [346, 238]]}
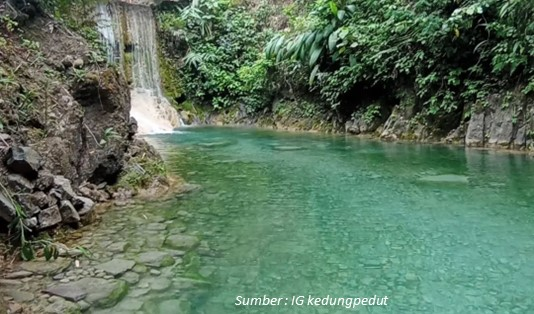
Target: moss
{"points": [[172, 85], [128, 59], [167, 261], [116, 295]]}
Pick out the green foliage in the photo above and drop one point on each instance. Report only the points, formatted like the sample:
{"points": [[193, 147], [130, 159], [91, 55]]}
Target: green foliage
{"points": [[451, 53], [9, 24], [142, 171], [109, 134], [19, 235], [371, 113], [224, 66], [79, 15], [79, 75]]}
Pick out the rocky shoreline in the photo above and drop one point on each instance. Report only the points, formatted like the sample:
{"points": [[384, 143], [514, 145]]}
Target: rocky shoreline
{"points": [[113, 269]]}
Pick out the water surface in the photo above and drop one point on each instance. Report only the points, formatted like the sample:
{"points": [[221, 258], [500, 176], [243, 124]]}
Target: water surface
{"points": [[436, 229]]}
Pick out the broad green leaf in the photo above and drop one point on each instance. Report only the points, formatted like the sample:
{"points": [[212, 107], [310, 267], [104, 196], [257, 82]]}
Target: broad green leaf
{"points": [[341, 15], [351, 8], [332, 41], [327, 31], [27, 252], [313, 74], [309, 39], [47, 252], [278, 45], [316, 53], [333, 7], [352, 60]]}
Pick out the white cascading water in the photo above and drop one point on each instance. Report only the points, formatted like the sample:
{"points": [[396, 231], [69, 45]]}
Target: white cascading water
{"points": [[150, 108]]}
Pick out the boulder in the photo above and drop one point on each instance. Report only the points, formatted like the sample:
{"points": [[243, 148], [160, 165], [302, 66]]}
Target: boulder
{"points": [[68, 212], [19, 184], [78, 63], [31, 222], [96, 291], [83, 205], [45, 180], [63, 187], [156, 259], [7, 209], [23, 160], [41, 266], [49, 217], [182, 242], [42, 200], [68, 292], [28, 204], [117, 266]]}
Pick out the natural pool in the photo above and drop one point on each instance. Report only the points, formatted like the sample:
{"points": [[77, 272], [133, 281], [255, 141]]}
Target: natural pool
{"points": [[435, 229]]}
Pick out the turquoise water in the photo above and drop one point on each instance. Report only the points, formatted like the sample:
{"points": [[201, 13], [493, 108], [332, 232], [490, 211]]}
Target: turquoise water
{"points": [[435, 229]]}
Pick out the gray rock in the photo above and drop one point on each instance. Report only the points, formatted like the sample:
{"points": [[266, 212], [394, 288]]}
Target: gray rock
{"points": [[18, 274], [182, 241], [63, 186], [84, 306], [14, 308], [69, 292], [78, 63], [31, 223], [9, 283], [62, 306], [45, 180], [68, 213], [19, 183], [23, 160], [28, 204], [49, 217], [155, 283], [7, 209], [67, 61], [42, 200], [98, 292], [116, 266], [42, 267], [83, 205], [131, 305], [118, 247], [156, 259], [19, 295], [156, 226], [397, 125], [501, 131], [130, 277]]}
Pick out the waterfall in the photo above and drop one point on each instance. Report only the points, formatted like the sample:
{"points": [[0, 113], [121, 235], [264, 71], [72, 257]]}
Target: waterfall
{"points": [[136, 47]]}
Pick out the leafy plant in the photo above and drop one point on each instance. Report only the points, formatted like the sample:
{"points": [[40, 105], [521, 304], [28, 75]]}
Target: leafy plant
{"points": [[19, 235], [108, 135], [224, 66], [79, 75], [450, 53]]}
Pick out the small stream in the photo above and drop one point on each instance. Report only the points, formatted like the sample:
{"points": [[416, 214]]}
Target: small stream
{"points": [[435, 229]]}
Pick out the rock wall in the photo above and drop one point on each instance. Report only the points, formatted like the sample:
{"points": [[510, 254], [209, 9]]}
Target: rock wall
{"points": [[507, 122], [65, 125]]}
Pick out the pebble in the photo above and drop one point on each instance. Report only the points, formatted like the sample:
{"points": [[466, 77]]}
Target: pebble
{"points": [[155, 272]]}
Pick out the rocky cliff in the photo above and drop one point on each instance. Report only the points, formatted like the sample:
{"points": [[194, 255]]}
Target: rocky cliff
{"points": [[65, 128]]}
